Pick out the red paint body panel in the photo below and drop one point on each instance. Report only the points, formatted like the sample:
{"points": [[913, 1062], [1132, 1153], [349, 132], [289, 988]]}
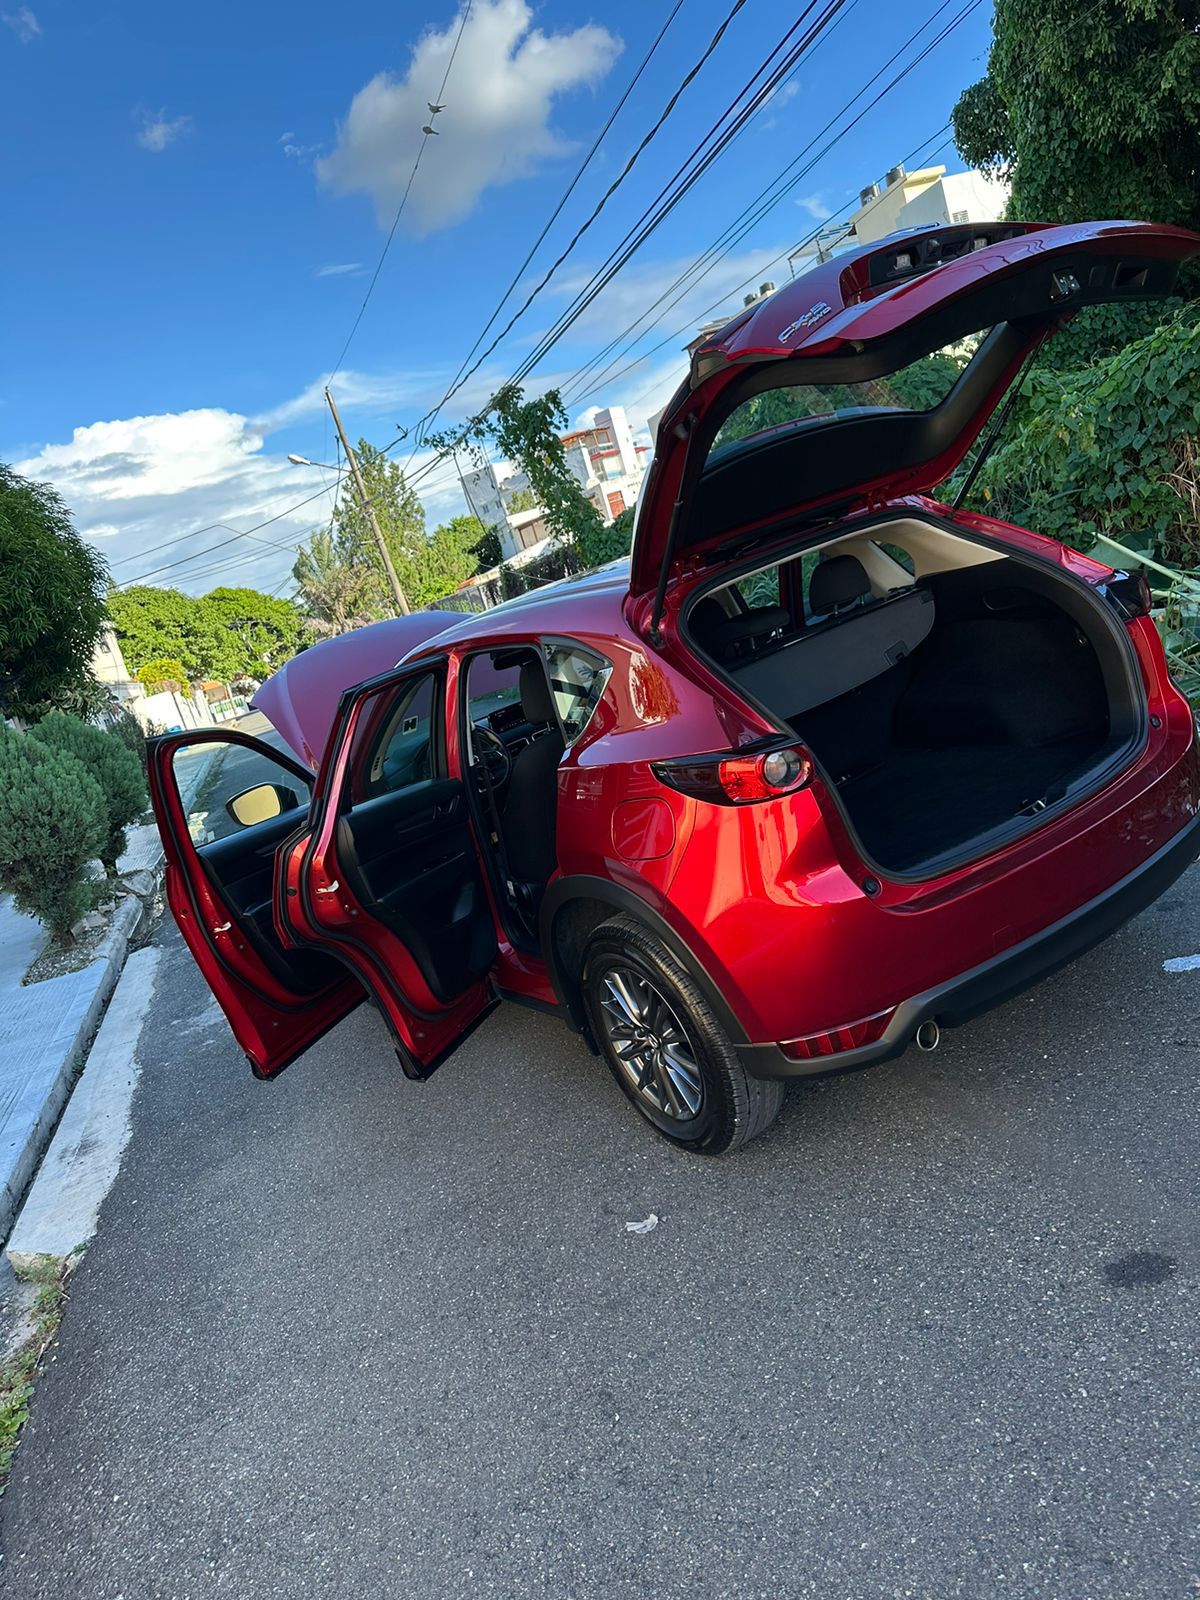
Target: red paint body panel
{"points": [[861, 316], [768, 899], [271, 1024], [321, 910]]}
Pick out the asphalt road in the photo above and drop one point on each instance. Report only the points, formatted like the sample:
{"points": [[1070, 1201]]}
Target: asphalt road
{"points": [[933, 1335]]}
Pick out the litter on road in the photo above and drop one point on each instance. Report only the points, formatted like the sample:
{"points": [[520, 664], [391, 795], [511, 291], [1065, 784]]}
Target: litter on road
{"points": [[648, 1226]]}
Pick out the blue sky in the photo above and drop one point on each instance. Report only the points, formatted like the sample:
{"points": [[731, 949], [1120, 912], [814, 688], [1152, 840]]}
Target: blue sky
{"points": [[195, 200]]}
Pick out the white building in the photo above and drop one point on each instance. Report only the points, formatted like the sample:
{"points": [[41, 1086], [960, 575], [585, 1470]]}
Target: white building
{"points": [[606, 461], [930, 198]]}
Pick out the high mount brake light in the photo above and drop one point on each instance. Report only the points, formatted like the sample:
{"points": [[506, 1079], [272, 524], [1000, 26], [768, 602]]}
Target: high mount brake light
{"points": [[738, 780]]}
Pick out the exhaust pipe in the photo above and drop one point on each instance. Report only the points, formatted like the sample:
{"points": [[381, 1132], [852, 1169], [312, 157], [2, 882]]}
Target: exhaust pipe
{"points": [[929, 1036]]}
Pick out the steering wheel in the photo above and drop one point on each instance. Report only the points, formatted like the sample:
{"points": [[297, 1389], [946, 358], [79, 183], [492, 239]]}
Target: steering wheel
{"points": [[491, 752]]}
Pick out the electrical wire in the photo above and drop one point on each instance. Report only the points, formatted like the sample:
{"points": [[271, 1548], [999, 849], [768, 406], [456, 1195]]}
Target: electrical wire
{"points": [[403, 199], [417, 431], [679, 185], [646, 139], [772, 194], [690, 324]]}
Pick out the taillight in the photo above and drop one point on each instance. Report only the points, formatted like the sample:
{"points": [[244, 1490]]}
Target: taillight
{"points": [[738, 780], [1129, 594]]}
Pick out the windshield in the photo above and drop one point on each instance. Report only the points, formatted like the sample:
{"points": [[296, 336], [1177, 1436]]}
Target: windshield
{"points": [[920, 386]]}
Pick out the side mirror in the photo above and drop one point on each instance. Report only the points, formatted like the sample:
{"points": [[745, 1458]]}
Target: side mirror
{"points": [[260, 804]]}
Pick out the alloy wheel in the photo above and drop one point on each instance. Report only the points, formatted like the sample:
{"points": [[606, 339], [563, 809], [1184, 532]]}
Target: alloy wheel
{"points": [[650, 1044]]}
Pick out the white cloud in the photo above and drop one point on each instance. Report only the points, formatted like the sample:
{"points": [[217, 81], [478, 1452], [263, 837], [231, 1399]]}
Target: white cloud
{"points": [[495, 127], [23, 23], [816, 206], [134, 483], [341, 269], [158, 131]]}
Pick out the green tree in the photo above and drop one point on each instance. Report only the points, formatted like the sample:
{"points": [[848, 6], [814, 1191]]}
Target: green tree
{"points": [[153, 624], [51, 599], [446, 560], [53, 820], [487, 549], [336, 593], [258, 632], [1093, 115], [527, 432], [115, 769], [401, 518], [164, 673], [522, 500]]}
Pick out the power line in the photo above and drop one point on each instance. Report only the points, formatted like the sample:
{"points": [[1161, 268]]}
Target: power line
{"points": [[766, 267], [773, 193], [403, 199], [195, 556], [654, 129], [678, 186], [429, 416]]}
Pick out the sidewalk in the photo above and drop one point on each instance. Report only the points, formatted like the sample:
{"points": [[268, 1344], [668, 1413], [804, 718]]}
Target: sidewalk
{"points": [[47, 1026]]}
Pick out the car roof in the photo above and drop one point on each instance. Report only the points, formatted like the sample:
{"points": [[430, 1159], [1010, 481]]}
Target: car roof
{"points": [[589, 603]]}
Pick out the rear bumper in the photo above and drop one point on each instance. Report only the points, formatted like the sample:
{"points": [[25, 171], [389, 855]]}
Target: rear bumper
{"points": [[992, 982]]}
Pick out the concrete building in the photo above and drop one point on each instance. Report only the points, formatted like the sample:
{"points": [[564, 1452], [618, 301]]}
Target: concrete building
{"points": [[607, 462], [927, 199], [605, 459]]}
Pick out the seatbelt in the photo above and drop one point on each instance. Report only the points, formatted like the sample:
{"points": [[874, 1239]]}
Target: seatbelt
{"points": [[497, 831]]}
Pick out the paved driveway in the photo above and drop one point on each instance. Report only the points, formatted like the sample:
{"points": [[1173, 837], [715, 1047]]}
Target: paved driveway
{"points": [[934, 1335]]}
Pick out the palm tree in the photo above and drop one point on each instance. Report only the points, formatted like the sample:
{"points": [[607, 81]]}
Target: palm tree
{"points": [[334, 591]]}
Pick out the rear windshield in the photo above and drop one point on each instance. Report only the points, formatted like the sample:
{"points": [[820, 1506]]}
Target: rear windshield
{"points": [[918, 387]]}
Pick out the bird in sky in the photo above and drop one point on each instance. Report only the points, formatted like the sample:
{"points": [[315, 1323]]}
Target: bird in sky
{"points": [[428, 129], [435, 109]]}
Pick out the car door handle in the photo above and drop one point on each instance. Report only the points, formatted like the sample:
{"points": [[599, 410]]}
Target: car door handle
{"points": [[332, 889], [446, 808]]}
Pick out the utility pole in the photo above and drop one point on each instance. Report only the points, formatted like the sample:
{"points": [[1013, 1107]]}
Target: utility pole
{"points": [[402, 605]]}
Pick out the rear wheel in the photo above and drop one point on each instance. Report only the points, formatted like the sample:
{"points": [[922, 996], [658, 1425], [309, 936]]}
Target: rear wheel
{"points": [[665, 1047]]}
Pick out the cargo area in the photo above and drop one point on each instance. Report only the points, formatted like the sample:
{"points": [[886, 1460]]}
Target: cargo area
{"points": [[950, 694]]}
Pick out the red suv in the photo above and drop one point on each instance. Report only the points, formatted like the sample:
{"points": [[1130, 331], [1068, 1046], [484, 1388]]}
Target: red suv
{"points": [[827, 766]]}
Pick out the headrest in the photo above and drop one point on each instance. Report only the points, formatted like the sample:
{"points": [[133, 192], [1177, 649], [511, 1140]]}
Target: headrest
{"points": [[836, 582], [705, 617], [757, 624], [535, 693]]}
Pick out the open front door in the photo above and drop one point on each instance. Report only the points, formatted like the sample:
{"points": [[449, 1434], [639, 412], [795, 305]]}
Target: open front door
{"points": [[387, 877], [225, 802]]}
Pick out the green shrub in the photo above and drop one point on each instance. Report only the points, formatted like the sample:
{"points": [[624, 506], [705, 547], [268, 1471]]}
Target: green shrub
{"points": [[115, 769], [126, 728], [53, 820], [1106, 455]]}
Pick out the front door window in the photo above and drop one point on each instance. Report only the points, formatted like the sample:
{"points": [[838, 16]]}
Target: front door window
{"points": [[225, 788]]}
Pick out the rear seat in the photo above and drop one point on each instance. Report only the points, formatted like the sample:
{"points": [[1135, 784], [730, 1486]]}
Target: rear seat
{"points": [[855, 639]]}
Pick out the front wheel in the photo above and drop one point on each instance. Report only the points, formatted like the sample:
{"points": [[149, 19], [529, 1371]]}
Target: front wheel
{"points": [[665, 1047]]}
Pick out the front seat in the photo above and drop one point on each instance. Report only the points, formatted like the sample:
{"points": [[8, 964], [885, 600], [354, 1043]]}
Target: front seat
{"points": [[531, 804]]}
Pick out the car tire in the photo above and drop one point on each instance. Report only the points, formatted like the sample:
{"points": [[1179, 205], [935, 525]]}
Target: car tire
{"points": [[665, 1047]]}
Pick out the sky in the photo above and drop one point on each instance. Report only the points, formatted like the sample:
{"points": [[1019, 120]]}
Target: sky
{"points": [[196, 199]]}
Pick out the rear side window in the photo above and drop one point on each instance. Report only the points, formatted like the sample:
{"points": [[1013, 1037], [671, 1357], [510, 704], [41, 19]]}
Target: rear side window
{"points": [[577, 679], [396, 743]]}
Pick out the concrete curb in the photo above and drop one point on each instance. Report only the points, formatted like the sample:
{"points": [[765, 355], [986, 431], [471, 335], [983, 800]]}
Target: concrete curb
{"points": [[50, 1024], [61, 1209]]}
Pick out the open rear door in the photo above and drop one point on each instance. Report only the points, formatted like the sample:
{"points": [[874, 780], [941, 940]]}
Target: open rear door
{"points": [[225, 802], [387, 876]]}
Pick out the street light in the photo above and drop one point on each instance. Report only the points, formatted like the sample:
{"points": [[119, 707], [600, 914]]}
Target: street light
{"points": [[303, 461]]}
